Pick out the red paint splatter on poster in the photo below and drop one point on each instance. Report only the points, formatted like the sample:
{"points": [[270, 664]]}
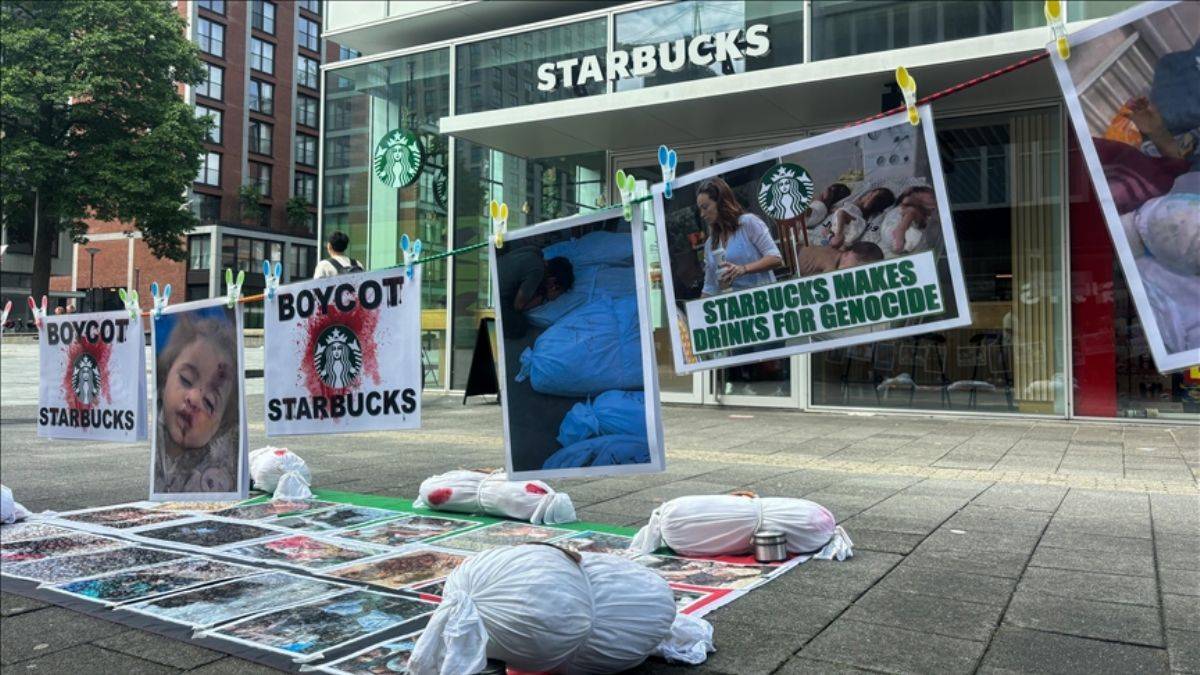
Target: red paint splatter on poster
{"points": [[100, 352], [362, 323]]}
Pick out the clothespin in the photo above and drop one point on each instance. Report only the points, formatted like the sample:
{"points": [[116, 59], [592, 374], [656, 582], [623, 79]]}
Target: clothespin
{"points": [[412, 253], [272, 280], [627, 186], [667, 160], [160, 301], [130, 298], [908, 87], [39, 315], [4, 314], [499, 213], [1056, 16], [233, 290]]}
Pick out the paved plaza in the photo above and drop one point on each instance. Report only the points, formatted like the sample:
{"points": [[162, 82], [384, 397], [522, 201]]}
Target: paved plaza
{"points": [[981, 545]]}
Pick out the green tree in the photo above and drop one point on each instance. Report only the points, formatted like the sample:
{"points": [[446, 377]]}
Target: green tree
{"points": [[92, 122], [297, 214], [250, 198]]}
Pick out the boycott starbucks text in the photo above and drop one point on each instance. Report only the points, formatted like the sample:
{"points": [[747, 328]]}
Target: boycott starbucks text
{"points": [[345, 297], [66, 332]]}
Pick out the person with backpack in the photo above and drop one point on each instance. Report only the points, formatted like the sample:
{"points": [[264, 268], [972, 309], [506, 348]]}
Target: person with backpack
{"points": [[337, 262]]}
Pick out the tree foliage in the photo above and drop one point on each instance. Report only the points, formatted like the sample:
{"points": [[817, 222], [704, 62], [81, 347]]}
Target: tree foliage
{"points": [[93, 121]]}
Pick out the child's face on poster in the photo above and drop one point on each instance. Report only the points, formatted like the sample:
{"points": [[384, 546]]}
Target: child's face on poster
{"points": [[198, 386]]}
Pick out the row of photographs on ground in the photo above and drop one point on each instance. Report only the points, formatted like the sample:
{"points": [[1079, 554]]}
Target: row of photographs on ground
{"points": [[334, 576]]}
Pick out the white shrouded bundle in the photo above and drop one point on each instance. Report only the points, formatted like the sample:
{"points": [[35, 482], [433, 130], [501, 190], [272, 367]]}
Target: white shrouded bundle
{"points": [[541, 609], [705, 525], [280, 471], [494, 495], [10, 510]]}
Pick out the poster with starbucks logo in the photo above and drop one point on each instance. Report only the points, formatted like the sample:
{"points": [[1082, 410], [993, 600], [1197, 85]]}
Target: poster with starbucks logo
{"points": [[93, 377], [399, 158], [343, 354]]}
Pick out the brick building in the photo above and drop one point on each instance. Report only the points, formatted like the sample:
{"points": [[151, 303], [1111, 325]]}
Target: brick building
{"points": [[263, 92]]}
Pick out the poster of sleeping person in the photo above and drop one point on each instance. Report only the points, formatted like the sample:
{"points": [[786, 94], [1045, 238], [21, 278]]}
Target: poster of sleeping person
{"points": [[344, 354], [580, 388], [1132, 87], [89, 386]]}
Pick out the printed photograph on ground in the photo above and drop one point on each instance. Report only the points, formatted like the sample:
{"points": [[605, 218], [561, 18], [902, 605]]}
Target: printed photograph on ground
{"points": [[120, 517], [405, 569], [271, 509], [501, 534], [307, 631], [705, 572], [126, 585], [334, 518], [596, 542], [834, 240], [199, 448], [1132, 88], [195, 507], [36, 549], [304, 551], [406, 530], [577, 364], [208, 533], [382, 659], [211, 605], [26, 531], [70, 567]]}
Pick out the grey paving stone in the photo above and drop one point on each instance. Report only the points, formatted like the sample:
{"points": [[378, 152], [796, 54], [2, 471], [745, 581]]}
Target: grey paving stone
{"points": [[1182, 612], [1016, 650], [1134, 624], [54, 627], [891, 649], [802, 666], [12, 604], [1090, 586], [233, 666], [1093, 561], [951, 538], [1088, 541], [976, 588], [1179, 582], [661, 493], [1183, 648], [89, 659], [1177, 551], [758, 619], [844, 580], [902, 524], [1001, 520], [985, 562], [926, 613], [882, 540], [151, 647]]}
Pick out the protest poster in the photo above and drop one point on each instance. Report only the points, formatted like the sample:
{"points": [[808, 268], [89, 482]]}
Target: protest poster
{"points": [[199, 448], [1132, 88], [580, 388], [93, 382], [344, 354], [831, 241]]}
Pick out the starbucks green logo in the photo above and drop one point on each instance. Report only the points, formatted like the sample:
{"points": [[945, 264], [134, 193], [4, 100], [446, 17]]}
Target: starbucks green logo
{"points": [[337, 357], [85, 379], [399, 157], [785, 191]]}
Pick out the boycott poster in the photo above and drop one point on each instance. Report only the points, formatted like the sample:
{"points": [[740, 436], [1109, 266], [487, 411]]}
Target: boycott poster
{"points": [[835, 240], [579, 381], [199, 446], [92, 381], [344, 354], [1132, 86]]}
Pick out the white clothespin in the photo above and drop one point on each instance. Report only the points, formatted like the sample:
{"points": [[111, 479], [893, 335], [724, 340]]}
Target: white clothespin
{"points": [[233, 290], [412, 253], [272, 280], [627, 186], [1056, 17], [130, 298], [499, 213], [908, 87], [667, 161], [39, 315], [159, 301]]}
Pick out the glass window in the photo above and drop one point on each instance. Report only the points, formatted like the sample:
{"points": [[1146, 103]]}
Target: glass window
{"points": [[260, 251], [306, 150], [307, 71], [262, 55], [199, 248], [214, 132], [260, 137], [262, 97], [306, 110], [276, 250], [770, 33], [345, 53], [306, 187], [339, 114], [339, 153], [301, 260], [215, 6], [847, 27], [213, 85], [210, 169], [313, 6], [261, 174], [207, 208], [244, 261], [505, 62], [308, 34], [210, 35], [262, 16]]}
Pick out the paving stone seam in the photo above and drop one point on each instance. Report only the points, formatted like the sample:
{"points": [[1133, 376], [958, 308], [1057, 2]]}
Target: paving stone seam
{"points": [[1162, 606]]}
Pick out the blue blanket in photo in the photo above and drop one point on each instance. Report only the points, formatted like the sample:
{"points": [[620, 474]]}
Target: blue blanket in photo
{"points": [[613, 412], [601, 451], [590, 350]]}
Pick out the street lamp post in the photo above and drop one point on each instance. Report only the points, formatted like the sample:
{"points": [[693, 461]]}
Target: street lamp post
{"points": [[92, 251]]}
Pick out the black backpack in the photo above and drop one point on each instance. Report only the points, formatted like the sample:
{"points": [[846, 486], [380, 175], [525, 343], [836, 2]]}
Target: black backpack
{"points": [[353, 267]]}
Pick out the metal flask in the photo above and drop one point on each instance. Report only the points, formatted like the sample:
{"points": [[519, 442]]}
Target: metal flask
{"points": [[770, 546]]}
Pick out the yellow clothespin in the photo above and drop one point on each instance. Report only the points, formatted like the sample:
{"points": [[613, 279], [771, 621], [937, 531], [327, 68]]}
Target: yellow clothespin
{"points": [[499, 214], [908, 87], [1056, 17]]}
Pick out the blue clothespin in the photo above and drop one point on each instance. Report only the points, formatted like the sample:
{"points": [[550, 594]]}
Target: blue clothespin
{"points": [[233, 290], [627, 186], [160, 301], [130, 299], [272, 280], [412, 253], [499, 214], [667, 161]]}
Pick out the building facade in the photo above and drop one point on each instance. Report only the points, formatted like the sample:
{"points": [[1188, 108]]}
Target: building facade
{"points": [[262, 91], [503, 115]]}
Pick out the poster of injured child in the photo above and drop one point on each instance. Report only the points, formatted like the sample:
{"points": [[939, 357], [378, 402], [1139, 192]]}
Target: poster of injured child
{"points": [[580, 383], [1132, 87], [835, 240]]}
